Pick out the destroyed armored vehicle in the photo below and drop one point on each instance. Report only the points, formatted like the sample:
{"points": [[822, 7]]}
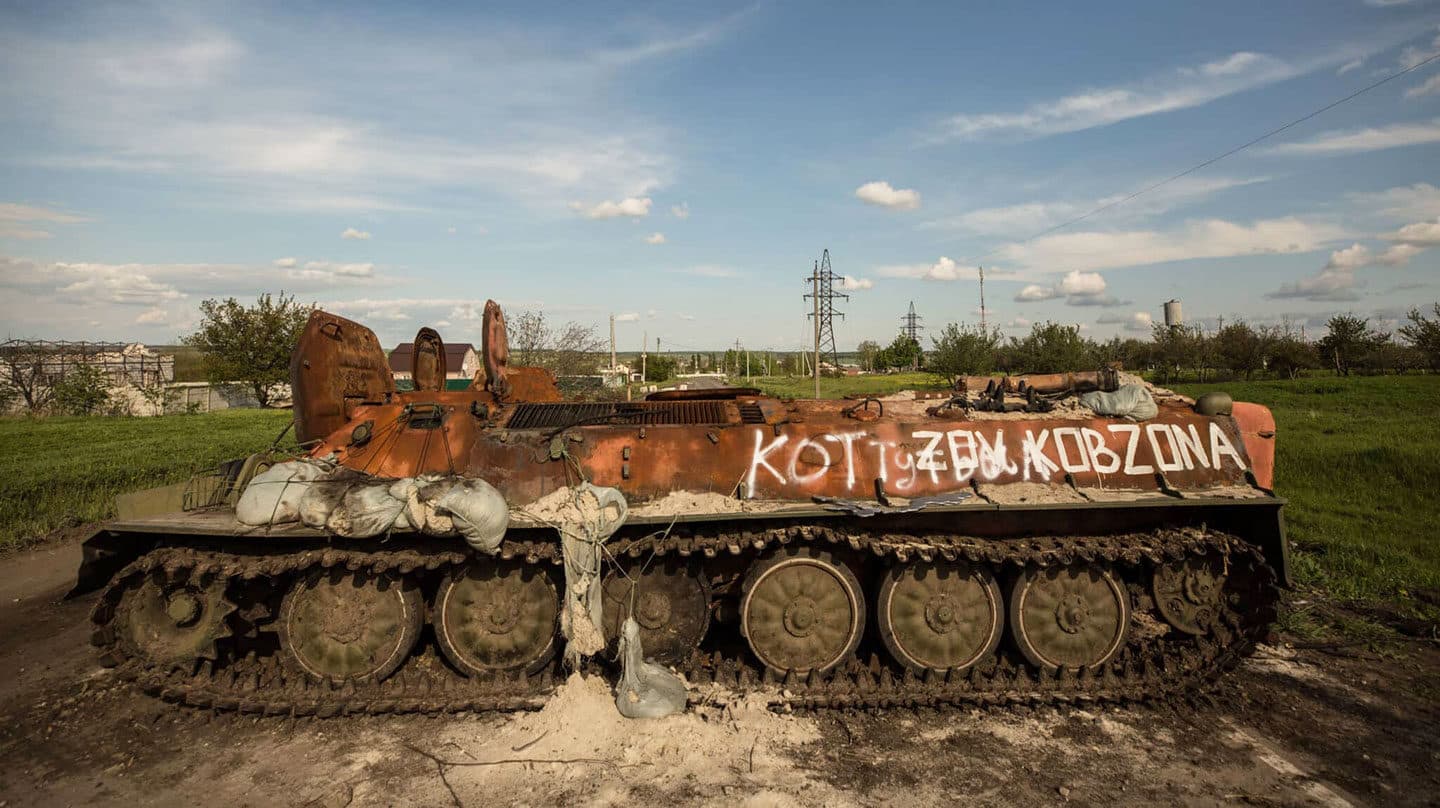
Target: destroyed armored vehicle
{"points": [[1072, 537]]}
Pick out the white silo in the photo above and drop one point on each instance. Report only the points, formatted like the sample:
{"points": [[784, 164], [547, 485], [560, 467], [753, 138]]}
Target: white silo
{"points": [[1172, 314]]}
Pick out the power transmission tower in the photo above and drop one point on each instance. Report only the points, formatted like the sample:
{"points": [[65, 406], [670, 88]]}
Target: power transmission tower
{"points": [[910, 327], [910, 323], [822, 285]]}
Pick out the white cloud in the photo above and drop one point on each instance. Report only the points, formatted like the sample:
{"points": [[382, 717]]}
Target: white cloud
{"points": [[1082, 283], [1431, 86], [1330, 285], [127, 285], [1354, 64], [1358, 256], [1028, 218], [1209, 238], [168, 95], [1078, 288], [628, 317], [468, 312], [1033, 292], [1364, 140], [680, 211], [355, 235], [1101, 106], [1419, 234], [155, 316], [1414, 55], [630, 206], [286, 263], [313, 269], [651, 314], [880, 193], [1139, 322], [655, 238], [1418, 201], [849, 283], [22, 221], [686, 317], [450, 230], [945, 269]]}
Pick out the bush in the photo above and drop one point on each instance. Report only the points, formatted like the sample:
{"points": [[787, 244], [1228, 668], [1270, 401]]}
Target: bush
{"points": [[963, 351], [83, 391]]}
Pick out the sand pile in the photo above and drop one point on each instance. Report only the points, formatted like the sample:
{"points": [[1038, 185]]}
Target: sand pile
{"points": [[718, 754]]}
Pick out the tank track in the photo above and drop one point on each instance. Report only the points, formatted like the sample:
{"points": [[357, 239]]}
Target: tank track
{"points": [[1147, 668]]}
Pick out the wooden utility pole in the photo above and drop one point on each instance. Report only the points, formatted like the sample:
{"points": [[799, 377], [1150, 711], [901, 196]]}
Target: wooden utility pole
{"points": [[982, 300], [612, 343]]}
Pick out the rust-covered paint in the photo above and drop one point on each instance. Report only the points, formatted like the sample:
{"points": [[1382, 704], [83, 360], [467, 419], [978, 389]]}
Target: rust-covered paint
{"points": [[751, 446], [1257, 429], [429, 366], [337, 365]]}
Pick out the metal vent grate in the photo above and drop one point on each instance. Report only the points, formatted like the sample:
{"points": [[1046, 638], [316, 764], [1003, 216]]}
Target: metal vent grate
{"points": [[646, 413], [750, 413]]}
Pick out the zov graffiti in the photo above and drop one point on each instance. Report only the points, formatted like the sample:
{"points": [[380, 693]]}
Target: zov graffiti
{"points": [[914, 458]]}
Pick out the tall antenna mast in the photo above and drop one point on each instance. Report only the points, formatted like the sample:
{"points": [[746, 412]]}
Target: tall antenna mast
{"points": [[983, 329]]}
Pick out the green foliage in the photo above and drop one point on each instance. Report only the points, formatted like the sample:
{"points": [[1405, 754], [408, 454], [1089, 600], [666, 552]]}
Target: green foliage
{"points": [[84, 390], [251, 345], [903, 353], [1050, 348], [868, 350], [1424, 334], [659, 367], [1348, 338], [963, 351], [66, 470]]}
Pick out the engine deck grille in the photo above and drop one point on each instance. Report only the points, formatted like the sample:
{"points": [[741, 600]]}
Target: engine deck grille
{"points": [[645, 413]]}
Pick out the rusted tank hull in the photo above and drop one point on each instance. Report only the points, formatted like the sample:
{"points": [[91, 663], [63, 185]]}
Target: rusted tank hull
{"points": [[867, 553]]}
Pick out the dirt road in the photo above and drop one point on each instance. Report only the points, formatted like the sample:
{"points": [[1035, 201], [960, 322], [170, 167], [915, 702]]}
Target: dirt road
{"points": [[1292, 729]]}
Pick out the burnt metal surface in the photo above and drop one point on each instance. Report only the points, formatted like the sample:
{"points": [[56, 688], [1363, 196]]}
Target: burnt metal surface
{"points": [[428, 368], [616, 413], [337, 365]]}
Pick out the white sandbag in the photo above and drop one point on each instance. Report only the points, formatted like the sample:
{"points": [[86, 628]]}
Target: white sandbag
{"points": [[645, 690], [477, 510], [1129, 401], [370, 510], [424, 505], [273, 496]]}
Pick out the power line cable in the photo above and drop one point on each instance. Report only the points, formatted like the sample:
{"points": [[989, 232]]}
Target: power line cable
{"points": [[1213, 160]]}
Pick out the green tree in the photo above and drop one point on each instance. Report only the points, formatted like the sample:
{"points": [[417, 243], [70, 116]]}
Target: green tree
{"points": [[83, 390], [902, 353], [1241, 349], [1346, 342], [659, 367], [963, 351], [868, 350], [250, 346], [1051, 348], [1289, 354], [1424, 334]]}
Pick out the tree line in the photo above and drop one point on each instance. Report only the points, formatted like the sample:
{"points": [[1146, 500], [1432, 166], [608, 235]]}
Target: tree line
{"points": [[1235, 350]]}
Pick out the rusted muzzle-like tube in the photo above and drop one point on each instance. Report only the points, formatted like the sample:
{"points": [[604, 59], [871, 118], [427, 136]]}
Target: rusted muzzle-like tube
{"points": [[1107, 379]]}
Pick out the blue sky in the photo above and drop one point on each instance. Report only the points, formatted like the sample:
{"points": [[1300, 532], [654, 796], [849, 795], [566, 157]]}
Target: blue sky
{"points": [[681, 166]]}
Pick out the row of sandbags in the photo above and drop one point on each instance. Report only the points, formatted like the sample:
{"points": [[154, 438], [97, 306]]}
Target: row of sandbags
{"points": [[349, 503]]}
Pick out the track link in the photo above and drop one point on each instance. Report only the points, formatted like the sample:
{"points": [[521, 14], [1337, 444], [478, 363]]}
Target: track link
{"points": [[1146, 668]]}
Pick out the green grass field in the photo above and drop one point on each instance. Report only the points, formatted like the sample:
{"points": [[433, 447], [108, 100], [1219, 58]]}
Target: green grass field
{"points": [[1358, 458], [1359, 461], [59, 471]]}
